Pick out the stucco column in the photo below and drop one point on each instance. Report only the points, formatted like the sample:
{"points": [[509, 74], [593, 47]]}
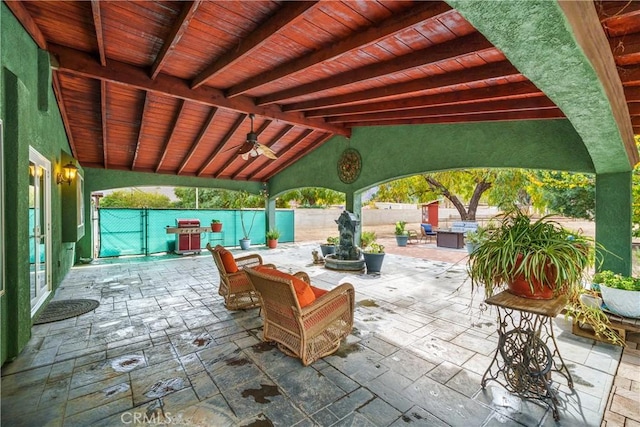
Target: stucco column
{"points": [[613, 220], [354, 205]]}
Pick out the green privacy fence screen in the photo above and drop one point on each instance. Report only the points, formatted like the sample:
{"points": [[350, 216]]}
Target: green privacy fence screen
{"points": [[144, 231]]}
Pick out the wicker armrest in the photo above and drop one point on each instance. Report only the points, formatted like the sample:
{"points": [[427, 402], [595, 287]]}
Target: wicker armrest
{"points": [[337, 304], [327, 298], [303, 276], [249, 261]]}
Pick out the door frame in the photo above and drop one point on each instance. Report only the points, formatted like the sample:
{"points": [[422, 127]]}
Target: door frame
{"points": [[40, 295]]}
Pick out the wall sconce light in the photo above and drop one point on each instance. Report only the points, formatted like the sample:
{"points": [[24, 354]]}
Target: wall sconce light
{"points": [[68, 174]]}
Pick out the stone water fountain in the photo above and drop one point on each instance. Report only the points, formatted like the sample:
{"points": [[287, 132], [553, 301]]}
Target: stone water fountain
{"points": [[348, 255]]}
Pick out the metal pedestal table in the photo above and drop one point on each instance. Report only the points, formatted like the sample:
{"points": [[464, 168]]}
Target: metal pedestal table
{"points": [[527, 348]]}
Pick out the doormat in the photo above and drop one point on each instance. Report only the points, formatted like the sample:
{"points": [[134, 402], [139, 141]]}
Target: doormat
{"points": [[60, 310]]}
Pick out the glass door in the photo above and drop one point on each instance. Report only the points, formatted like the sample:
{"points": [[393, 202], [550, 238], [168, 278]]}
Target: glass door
{"points": [[39, 228]]}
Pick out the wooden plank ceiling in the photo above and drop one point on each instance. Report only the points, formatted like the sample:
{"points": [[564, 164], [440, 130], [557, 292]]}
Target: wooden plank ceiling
{"points": [[621, 23], [168, 86]]}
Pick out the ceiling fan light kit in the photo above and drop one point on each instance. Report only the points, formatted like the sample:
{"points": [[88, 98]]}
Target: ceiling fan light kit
{"points": [[252, 148]]}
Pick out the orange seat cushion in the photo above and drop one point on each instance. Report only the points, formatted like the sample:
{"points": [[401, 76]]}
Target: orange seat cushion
{"points": [[228, 261], [304, 292]]}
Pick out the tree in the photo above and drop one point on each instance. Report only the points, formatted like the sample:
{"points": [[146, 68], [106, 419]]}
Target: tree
{"points": [[460, 187], [440, 182], [135, 198], [210, 198], [313, 197], [570, 194]]}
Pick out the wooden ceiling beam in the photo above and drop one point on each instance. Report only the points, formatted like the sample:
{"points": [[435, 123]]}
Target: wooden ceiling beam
{"points": [[235, 156], [57, 90], [422, 11], [289, 13], [467, 45], [315, 144], [165, 149], [199, 140], [24, 17], [283, 132], [490, 71], [104, 115], [282, 153], [222, 145], [500, 106], [180, 26], [82, 64], [504, 91], [97, 23], [552, 113], [141, 131]]}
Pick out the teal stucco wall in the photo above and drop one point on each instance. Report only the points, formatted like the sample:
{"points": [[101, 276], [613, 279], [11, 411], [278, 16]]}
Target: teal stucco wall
{"points": [[391, 152], [31, 118]]}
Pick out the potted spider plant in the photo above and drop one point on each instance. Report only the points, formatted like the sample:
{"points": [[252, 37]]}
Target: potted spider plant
{"points": [[537, 259]]}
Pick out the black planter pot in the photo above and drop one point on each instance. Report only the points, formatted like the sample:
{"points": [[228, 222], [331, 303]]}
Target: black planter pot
{"points": [[327, 249], [373, 262]]}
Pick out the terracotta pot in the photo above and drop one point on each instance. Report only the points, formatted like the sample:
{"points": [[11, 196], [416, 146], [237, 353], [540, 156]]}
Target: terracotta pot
{"points": [[216, 227], [522, 288], [272, 243]]}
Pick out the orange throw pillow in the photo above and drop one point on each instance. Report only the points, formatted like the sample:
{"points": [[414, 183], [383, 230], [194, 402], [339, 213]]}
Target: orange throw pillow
{"points": [[318, 292], [228, 261], [304, 292]]}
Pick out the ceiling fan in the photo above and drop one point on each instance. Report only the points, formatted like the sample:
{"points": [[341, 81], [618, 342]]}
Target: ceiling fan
{"points": [[252, 148]]}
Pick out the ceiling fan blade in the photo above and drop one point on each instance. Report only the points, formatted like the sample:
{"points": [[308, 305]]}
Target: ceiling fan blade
{"points": [[268, 152], [245, 147]]}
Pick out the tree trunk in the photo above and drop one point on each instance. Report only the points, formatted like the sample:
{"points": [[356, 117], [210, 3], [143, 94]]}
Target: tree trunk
{"points": [[465, 215]]}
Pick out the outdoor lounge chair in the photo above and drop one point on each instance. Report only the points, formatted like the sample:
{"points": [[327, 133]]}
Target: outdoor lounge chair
{"points": [[427, 232], [310, 332], [235, 286]]}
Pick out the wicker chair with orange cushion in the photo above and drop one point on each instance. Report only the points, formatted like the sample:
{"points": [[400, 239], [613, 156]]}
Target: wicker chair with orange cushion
{"points": [[235, 286], [305, 321]]}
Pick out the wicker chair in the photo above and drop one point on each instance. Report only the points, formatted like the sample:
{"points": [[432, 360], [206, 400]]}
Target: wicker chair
{"points": [[236, 288], [308, 333]]}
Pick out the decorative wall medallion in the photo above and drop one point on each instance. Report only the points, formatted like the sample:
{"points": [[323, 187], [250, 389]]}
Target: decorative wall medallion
{"points": [[349, 165]]}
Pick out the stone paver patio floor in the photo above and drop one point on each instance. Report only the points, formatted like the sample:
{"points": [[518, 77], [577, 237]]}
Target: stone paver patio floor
{"points": [[162, 346]]}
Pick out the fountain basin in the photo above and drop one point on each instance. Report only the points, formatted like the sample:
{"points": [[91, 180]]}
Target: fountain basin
{"points": [[333, 263]]}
